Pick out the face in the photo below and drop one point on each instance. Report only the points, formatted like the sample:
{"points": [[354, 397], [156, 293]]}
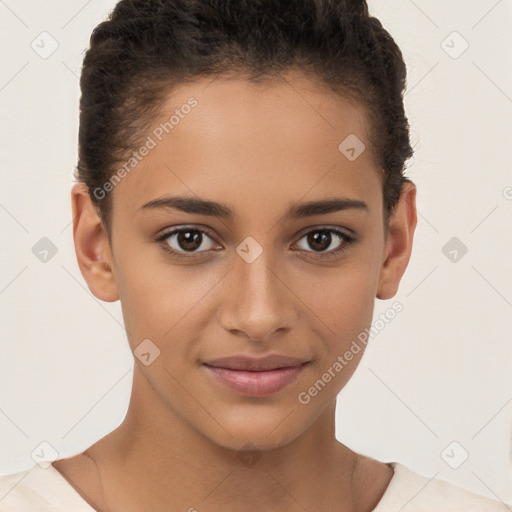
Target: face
{"points": [[252, 272]]}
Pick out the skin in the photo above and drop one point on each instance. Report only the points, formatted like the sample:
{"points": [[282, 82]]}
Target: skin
{"points": [[258, 149]]}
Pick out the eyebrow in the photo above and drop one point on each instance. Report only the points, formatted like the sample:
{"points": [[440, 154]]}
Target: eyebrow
{"points": [[215, 209]]}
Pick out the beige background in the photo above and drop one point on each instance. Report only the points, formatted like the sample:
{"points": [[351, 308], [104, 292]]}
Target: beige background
{"points": [[439, 373]]}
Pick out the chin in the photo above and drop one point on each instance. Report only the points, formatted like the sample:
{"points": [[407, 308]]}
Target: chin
{"points": [[255, 432]]}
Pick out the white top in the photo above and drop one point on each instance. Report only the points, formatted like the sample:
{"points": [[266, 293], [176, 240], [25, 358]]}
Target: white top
{"points": [[46, 490]]}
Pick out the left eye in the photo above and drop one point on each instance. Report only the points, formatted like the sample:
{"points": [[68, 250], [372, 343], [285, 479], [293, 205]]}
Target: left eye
{"points": [[322, 239]]}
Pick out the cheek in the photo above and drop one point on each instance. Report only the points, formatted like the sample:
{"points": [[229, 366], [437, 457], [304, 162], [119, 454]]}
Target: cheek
{"points": [[342, 308], [343, 297], [159, 300]]}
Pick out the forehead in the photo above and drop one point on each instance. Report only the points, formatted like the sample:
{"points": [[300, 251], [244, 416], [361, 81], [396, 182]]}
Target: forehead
{"points": [[223, 137]]}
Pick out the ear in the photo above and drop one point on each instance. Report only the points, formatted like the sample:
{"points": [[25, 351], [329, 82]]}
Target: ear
{"points": [[91, 246], [402, 224]]}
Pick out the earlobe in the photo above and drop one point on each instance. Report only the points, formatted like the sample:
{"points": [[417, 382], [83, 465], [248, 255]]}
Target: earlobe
{"points": [[91, 246], [402, 225]]}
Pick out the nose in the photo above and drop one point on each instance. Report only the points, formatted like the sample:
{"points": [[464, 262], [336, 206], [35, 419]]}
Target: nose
{"points": [[258, 301]]}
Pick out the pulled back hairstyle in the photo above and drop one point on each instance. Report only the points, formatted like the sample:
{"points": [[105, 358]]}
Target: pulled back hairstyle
{"points": [[146, 47]]}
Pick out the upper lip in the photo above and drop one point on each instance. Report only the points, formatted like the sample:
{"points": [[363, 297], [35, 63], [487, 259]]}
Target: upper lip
{"points": [[250, 363]]}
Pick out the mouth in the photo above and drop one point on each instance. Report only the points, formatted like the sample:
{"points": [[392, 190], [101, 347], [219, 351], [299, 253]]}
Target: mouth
{"points": [[256, 377]]}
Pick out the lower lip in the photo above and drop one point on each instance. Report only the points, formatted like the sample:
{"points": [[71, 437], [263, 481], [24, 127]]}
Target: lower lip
{"points": [[253, 383]]}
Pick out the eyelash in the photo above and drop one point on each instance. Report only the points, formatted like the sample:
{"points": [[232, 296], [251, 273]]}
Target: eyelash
{"points": [[347, 239]]}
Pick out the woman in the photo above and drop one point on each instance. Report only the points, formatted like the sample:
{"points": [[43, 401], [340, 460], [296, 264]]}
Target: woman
{"points": [[240, 190]]}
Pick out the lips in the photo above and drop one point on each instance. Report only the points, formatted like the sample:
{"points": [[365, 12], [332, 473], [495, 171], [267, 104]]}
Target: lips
{"points": [[253, 376]]}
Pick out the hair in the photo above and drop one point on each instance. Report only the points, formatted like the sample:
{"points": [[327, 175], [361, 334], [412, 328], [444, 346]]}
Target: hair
{"points": [[146, 47]]}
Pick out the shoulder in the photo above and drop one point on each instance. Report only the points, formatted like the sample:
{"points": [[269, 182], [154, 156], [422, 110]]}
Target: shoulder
{"points": [[41, 489], [410, 491]]}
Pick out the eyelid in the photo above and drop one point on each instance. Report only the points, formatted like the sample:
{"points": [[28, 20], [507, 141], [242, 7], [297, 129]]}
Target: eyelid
{"points": [[170, 230], [319, 227]]}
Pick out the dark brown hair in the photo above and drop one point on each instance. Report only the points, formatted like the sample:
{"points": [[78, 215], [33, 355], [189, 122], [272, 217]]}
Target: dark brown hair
{"points": [[146, 47]]}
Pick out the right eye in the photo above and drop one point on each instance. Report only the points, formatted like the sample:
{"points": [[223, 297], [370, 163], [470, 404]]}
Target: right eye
{"points": [[185, 242]]}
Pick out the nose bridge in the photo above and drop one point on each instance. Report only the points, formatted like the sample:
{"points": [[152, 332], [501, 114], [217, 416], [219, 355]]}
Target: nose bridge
{"points": [[258, 303]]}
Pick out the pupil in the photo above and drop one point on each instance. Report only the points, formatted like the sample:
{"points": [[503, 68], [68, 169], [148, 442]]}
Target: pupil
{"points": [[323, 236], [189, 242]]}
